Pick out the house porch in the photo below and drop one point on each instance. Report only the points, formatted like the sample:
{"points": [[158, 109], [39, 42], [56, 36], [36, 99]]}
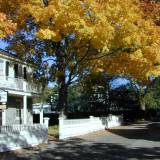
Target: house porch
{"points": [[18, 111], [17, 129]]}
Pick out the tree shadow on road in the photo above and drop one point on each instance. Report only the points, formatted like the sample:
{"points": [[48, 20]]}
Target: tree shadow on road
{"points": [[78, 149]]}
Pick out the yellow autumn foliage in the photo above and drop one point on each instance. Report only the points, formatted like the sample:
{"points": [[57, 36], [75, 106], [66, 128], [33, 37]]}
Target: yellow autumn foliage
{"points": [[6, 26], [117, 31]]}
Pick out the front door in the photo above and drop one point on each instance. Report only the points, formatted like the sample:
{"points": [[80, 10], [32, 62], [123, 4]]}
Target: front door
{"points": [[0, 117]]}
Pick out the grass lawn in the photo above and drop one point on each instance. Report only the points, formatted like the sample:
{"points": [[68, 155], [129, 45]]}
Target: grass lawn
{"points": [[53, 132]]}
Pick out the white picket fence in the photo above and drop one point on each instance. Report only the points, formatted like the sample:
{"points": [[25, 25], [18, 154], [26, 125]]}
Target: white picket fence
{"points": [[75, 127], [14, 137]]}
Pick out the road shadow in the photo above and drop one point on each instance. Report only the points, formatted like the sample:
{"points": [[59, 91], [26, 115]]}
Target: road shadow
{"points": [[78, 149], [149, 131]]}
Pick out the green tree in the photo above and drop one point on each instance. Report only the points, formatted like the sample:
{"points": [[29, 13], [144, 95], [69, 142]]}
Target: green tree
{"points": [[152, 96], [44, 96], [96, 88]]}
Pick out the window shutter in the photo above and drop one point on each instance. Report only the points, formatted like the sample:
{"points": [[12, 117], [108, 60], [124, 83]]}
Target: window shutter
{"points": [[7, 68], [20, 72], [16, 70], [24, 73]]}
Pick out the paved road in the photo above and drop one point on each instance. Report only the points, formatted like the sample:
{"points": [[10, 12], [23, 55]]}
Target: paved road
{"points": [[135, 142]]}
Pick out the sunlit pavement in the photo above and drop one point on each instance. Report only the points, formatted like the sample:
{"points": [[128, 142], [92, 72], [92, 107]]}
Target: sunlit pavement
{"points": [[139, 141]]}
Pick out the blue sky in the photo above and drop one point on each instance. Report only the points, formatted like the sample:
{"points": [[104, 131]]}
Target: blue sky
{"points": [[118, 82], [2, 44]]}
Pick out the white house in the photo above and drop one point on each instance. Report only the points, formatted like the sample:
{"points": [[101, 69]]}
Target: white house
{"points": [[16, 79], [17, 90]]}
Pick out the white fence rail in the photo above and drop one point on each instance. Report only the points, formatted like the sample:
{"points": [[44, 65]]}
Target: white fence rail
{"points": [[70, 128], [20, 136]]}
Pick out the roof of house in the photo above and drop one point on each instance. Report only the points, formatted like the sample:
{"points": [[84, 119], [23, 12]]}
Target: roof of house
{"points": [[14, 57], [7, 53]]}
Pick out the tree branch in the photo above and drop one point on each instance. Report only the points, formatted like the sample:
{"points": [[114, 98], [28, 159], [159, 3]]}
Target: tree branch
{"points": [[128, 50], [78, 62]]}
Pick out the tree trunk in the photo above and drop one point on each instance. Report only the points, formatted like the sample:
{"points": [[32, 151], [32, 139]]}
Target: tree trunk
{"points": [[62, 85], [142, 102], [142, 106], [63, 97]]}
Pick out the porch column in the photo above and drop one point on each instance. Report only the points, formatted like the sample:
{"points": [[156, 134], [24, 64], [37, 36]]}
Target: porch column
{"points": [[24, 109]]}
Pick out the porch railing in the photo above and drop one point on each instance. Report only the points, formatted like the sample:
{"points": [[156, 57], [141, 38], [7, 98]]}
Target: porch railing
{"points": [[18, 84], [20, 128]]}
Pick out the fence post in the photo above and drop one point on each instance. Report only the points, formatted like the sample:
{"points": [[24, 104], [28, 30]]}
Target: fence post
{"points": [[61, 123], [46, 124], [91, 123], [4, 117], [46, 121]]}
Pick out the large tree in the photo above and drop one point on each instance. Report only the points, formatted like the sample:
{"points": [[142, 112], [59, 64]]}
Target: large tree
{"points": [[6, 25], [83, 36]]}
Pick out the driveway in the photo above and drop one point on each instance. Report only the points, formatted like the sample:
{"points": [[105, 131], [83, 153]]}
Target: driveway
{"points": [[139, 141]]}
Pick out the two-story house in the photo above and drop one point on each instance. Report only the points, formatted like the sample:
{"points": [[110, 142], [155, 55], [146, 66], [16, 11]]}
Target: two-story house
{"points": [[16, 79]]}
